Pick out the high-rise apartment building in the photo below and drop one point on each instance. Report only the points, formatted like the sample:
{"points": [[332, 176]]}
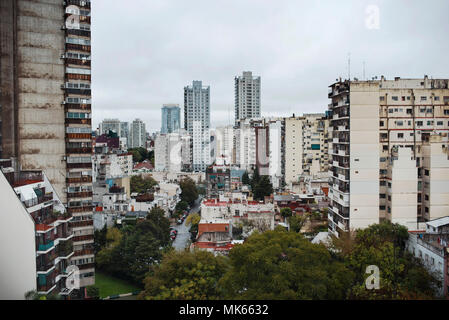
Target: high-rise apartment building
{"points": [[172, 152], [224, 137], [371, 122], [46, 104], [247, 96], [137, 134], [171, 118], [39, 224], [197, 123], [110, 125]]}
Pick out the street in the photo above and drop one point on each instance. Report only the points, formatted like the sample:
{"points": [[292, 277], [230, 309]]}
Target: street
{"points": [[183, 236]]}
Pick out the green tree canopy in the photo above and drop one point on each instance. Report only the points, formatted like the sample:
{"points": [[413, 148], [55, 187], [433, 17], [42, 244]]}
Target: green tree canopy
{"points": [[262, 188], [245, 178], [185, 275], [286, 212], [383, 245], [142, 185], [284, 265], [140, 246], [189, 191]]}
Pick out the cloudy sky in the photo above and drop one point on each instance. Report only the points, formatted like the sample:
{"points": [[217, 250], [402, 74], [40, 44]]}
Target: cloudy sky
{"points": [[146, 51]]}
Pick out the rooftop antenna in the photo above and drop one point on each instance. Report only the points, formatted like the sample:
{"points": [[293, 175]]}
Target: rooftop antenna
{"points": [[349, 66]]}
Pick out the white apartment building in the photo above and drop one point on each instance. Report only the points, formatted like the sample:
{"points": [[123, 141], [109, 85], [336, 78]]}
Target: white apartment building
{"points": [[224, 137], [172, 152], [197, 123], [369, 121], [137, 134], [276, 149], [245, 145], [306, 146], [247, 96], [111, 165]]}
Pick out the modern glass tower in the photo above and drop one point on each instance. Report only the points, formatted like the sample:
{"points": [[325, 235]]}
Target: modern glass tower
{"points": [[171, 118]]}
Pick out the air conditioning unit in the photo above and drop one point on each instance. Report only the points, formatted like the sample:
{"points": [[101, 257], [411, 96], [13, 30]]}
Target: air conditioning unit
{"points": [[63, 27], [62, 56], [63, 102], [62, 86]]}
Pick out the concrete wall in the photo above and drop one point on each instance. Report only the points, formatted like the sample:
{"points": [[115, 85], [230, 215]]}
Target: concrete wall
{"points": [[364, 155]]}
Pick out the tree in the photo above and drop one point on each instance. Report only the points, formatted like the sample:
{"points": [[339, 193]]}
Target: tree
{"points": [[189, 191], [245, 178], [383, 245], [100, 238], [297, 222], [142, 185], [185, 275], [284, 265], [181, 206], [255, 179], [262, 188], [193, 219], [140, 154], [139, 247], [286, 212]]}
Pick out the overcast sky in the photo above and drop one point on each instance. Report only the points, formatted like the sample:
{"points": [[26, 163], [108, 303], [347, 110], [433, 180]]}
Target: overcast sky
{"points": [[146, 51]]}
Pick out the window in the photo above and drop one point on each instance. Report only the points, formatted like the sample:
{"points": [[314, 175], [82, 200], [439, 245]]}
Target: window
{"points": [[419, 123], [382, 183], [446, 112], [395, 98], [381, 123], [423, 98], [382, 195], [426, 172], [400, 135], [439, 123], [437, 98], [399, 123], [382, 98], [381, 207], [390, 110], [385, 148]]}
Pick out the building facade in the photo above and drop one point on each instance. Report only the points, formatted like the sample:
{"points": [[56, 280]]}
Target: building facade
{"points": [[247, 96], [369, 122], [46, 102], [197, 123], [137, 134], [171, 118]]}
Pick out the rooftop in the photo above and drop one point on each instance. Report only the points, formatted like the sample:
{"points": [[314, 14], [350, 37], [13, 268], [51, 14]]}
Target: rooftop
{"points": [[439, 222]]}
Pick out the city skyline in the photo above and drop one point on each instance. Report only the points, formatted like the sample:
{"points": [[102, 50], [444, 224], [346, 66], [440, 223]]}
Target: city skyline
{"points": [[296, 50]]}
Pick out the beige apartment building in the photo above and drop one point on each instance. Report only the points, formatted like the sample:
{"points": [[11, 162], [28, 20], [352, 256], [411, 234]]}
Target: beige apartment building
{"points": [[306, 146], [373, 178], [45, 105]]}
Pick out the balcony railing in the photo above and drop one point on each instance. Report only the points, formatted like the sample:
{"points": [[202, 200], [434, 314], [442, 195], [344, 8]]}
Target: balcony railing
{"points": [[79, 3], [87, 165], [83, 223], [87, 136], [83, 238], [78, 121], [78, 47], [86, 266], [86, 150], [80, 209], [84, 252], [77, 32], [79, 180], [45, 246], [77, 106]]}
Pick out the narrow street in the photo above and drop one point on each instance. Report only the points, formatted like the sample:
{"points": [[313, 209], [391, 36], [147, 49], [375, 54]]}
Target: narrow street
{"points": [[183, 236]]}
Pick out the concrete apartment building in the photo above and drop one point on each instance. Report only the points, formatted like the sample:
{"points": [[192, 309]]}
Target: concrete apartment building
{"points": [[39, 223], [172, 152], [137, 134], [171, 118], [197, 123], [307, 146], [46, 102], [370, 122], [247, 96], [224, 141]]}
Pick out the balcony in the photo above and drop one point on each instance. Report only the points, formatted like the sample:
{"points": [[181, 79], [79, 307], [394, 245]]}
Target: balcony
{"points": [[79, 3], [78, 121], [27, 177], [46, 246], [87, 136], [79, 180], [84, 252], [80, 209], [82, 92], [87, 165], [83, 223], [78, 47], [86, 266], [77, 32], [86, 150]]}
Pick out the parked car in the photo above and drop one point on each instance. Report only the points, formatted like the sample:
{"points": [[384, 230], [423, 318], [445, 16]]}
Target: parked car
{"points": [[179, 221], [175, 232], [173, 237]]}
